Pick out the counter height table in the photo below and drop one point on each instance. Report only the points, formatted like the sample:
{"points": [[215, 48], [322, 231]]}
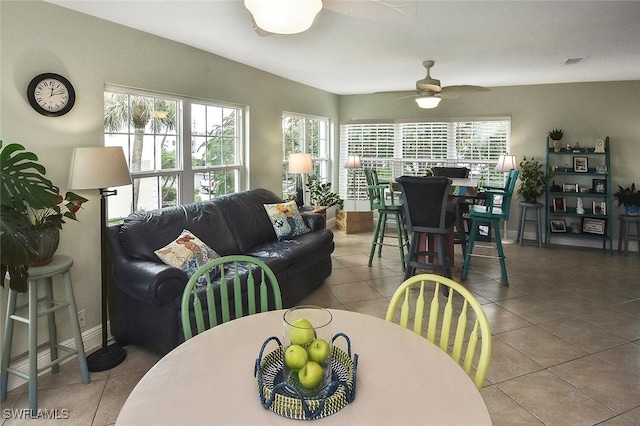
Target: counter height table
{"points": [[402, 379]]}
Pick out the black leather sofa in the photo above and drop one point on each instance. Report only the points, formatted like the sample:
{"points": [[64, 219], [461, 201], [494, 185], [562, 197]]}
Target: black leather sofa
{"points": [[145, 293]]}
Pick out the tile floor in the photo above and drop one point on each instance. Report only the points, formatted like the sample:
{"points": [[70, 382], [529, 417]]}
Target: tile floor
{"points": [[566, 347]]}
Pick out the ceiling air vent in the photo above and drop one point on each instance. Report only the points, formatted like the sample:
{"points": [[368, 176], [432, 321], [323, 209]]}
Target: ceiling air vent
{"points": [[573, 61]]}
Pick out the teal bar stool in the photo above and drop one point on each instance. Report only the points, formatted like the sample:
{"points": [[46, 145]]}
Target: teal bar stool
{"points": [[378, 201], [491, 214], [37, 307], [537, 221]]}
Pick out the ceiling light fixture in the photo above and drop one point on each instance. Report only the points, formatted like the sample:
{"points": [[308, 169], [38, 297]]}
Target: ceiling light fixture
{"points": [[427, 102], [284, 16]]}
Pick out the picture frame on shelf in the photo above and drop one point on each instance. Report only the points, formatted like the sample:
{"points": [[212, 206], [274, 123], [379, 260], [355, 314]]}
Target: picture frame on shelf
{"points": [[599, 207], [599, 186], [591, 225], [569, 187], [580, 164], [558, 225], [559, 204]]}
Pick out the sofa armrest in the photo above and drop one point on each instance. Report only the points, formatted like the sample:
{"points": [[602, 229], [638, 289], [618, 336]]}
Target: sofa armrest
{"points": [[153, 283], [315, 221]]}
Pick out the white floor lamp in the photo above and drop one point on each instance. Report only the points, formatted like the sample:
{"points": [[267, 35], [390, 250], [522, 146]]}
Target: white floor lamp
{"points": [[506, 162], [101, 168], [353, 163]]}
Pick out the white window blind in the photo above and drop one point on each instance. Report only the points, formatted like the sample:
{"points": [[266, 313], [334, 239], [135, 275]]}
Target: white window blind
{"points": [[398, 148]]}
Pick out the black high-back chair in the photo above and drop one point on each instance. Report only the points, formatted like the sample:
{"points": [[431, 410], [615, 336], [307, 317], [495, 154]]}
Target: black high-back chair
{"points": [[460, 207], [424, 202]]}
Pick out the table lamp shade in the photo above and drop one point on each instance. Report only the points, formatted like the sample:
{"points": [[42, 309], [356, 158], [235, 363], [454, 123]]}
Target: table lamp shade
{"points": [[353, 162], [506, 162], [98, 168], [300, 163]]}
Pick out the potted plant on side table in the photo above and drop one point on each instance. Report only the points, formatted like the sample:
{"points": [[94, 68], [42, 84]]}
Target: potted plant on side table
{"points": [[533, 182], [24, 191], [628, 197]]}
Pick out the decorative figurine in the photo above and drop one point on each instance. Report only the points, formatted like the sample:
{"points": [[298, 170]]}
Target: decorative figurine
{"points": [[577, 145], [579, 206], [568, 147]]}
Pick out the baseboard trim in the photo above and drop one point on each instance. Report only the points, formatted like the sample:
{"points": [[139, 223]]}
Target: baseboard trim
{"points": [[91, 339]]}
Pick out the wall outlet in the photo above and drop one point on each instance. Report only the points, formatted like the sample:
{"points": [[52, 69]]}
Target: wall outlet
{"points": [[82, 318]]}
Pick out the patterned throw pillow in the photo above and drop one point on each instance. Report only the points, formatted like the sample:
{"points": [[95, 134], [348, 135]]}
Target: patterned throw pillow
{"points": [[188, 253], [286, 219]]}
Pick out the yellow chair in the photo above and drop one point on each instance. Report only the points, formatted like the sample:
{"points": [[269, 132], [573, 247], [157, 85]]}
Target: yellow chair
{"points": [[248, 283], [460, 307]]}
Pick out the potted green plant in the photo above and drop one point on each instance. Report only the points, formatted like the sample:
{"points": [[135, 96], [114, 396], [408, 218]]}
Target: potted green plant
{"points": [[628, 197], [533, 182], [321, 194], [556, 135], [28, 202]]}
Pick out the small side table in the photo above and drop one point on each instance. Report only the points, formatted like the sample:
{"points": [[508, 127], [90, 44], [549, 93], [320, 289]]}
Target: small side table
{"points": [[625, 221], [39, 307], [537, 221]]}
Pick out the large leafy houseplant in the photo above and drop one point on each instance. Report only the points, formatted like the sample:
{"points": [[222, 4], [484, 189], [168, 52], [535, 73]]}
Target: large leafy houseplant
{"points": [[321, 194], [628, 197], [533, 182], [24, 189]]}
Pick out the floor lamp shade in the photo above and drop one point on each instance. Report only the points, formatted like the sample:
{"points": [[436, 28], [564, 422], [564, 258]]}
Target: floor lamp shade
{"points": [[353, 162], [506, 162], [98, 168]]}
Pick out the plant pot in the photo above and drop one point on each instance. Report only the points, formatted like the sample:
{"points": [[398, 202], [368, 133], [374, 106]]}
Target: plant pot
{"points": [[633, 210], [48, 240], [556, 145]]}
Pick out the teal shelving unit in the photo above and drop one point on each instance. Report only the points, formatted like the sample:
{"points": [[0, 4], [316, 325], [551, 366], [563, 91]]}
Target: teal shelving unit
{"points": [[579, 173]]}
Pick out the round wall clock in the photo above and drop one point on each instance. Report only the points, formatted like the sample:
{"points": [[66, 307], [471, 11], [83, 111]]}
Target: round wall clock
{"points": [[51, 94]]}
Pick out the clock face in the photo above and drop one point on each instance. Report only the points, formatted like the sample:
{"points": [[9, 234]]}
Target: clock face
{"points": [[51, 94]]}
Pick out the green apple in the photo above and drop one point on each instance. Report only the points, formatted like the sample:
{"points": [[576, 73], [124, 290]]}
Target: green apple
{"points": [[318, 351], [295, 357], [310, 375], [301, 332]]}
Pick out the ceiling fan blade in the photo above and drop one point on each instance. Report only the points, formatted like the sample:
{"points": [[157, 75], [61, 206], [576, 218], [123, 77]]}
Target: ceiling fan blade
{"points": [[458, 90], [375, 10]]}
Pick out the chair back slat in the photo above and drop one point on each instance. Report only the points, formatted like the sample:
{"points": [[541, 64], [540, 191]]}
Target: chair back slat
{"points": [[477, 338], [417, 323], [460, 333], [446, 322], [236, 273]]}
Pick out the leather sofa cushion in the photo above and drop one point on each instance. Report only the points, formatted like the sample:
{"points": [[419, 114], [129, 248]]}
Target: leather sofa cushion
{"points": [[144, 232], [244, 213]]}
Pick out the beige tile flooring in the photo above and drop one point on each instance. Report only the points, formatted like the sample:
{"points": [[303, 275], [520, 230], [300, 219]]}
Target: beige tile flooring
{"points": [[566, 347]]}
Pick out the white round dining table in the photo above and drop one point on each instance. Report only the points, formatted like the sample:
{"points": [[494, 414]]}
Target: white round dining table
{"points": [[402, 379]]}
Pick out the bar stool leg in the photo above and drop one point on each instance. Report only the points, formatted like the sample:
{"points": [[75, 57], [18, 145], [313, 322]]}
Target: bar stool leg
{"points": [[399, 227], [6, 344], [638, 235], [626, 239], [75, 327], [523, 219], [33, 346], [51, 323], [620, 235], [539, 226], [467, 255], [503, 266]]}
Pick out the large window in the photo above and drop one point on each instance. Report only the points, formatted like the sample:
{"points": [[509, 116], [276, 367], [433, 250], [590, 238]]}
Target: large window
{"points": [[303, 133], [172, 163], [412, 148]]}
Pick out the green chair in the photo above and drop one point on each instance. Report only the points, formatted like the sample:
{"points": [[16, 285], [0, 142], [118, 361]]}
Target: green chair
{"points": [[489, 213], [383, 200], [243, 286], [466, 323]]}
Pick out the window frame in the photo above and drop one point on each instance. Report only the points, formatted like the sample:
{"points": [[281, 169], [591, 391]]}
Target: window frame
{"points": [[387, 146], [184, 169]]}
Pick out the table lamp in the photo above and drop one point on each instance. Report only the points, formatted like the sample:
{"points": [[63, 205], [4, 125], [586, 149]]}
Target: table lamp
{"points": [[101, 168], [353, 163], [300, 163], [506, 162]]}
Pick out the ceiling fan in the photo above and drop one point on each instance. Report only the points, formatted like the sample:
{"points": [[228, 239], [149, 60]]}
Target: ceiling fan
{"points": [[430, 92], [296, 16]]}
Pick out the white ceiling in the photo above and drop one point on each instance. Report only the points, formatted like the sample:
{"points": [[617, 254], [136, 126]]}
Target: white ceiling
{"points": [[486, 43]]}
